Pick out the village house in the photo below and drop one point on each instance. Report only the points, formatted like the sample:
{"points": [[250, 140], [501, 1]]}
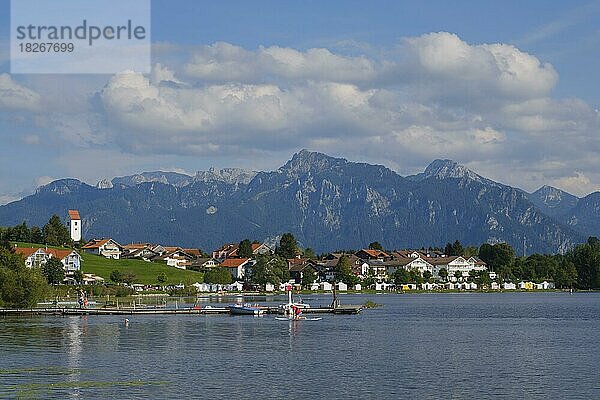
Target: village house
{"points": [[204, 263], [408, 263], [454, 264], [298, 267], [104, 247], [229, 250], [407, 254], [141, 251], [368, 254], [177, 258], [360, 267], [236, 266], [36, 257], [70, 259]]}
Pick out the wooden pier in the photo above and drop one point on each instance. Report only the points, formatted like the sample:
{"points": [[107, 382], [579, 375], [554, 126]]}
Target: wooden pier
{"points": [[347, 309]]}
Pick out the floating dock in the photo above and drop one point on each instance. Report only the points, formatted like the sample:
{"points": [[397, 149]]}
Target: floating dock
{"points": [[347, 309]]}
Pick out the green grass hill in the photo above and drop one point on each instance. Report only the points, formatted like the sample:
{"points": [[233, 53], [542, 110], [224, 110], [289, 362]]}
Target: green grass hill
{"points": [[145, 272]]}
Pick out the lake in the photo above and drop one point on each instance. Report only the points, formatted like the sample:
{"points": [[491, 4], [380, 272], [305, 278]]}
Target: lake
{"points": [[425, 346]]}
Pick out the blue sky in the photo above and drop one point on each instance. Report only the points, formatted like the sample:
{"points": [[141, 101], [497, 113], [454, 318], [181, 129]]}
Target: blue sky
{"points": [[507, 88]]}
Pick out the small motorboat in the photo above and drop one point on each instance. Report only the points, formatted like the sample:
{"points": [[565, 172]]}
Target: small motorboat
{"points": [[245, 309], [298, 318]]}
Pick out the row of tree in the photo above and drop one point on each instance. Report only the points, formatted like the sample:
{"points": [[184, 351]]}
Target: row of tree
{"points": [[19, 286], [54, 233], [579, 267]]}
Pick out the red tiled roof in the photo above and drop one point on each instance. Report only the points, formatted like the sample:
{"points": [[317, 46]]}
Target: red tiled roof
{"points": [[375, 253], [96, 243], [74, 214], [440, 260], [297, 261], [60, 254], [26, 251], [234, 262], [255, 246], [136, 246], [171, 249]]}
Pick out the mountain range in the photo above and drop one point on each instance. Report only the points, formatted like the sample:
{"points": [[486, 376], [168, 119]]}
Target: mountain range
{"points": [[327, 203]]}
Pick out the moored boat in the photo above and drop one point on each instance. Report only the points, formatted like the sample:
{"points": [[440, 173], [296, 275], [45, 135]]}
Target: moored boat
{"points": [[292, 308], [245, 309]]}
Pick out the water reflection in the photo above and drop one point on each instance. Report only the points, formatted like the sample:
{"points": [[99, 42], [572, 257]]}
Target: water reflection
{"points": [[439, 346], [74, 332]]}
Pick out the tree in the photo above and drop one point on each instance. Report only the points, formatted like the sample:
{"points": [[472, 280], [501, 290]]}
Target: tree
{"points": [[162, 277], [20, 287], [470, 251], [402, 276], [308, 276], [481, 278], [499, 257], [269, 270], [458, 274], [586, 258], [56, 233], [376, 246], [53, 270], [309, 253], [36, 235], [245, 249], [261, 272], [454, 249], [343, 271], [427, 275], [218, 275], [443, 273], [21, 233], [369, 280], [78, 276], [129, 277], [288, 247], [116, 276], [566, 274]]}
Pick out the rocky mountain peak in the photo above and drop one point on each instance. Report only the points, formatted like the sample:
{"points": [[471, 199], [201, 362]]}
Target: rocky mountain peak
{"points": [[443, 169], [104, 184], [167, 178], [551, 195], [227, 175], [61, 186], [309, 161]]}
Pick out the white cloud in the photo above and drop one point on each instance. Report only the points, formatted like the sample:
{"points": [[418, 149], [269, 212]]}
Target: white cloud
{"points": [[43, 180], [161, 73], [17, 97], [226, 62], [453, 67], [435, 95], [578, 183]]}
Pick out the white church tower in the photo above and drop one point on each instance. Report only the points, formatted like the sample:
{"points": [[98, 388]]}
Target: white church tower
{"points": [[75, 225]]}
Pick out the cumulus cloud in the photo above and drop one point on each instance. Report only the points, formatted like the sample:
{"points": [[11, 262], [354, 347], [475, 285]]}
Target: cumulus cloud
{"points": [[490, 106], [17, 97], [227, 62], [434, 95], [446, 66], [578, 183]]}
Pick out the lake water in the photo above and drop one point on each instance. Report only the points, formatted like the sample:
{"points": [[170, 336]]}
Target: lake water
{"points": [[460, 346]]}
